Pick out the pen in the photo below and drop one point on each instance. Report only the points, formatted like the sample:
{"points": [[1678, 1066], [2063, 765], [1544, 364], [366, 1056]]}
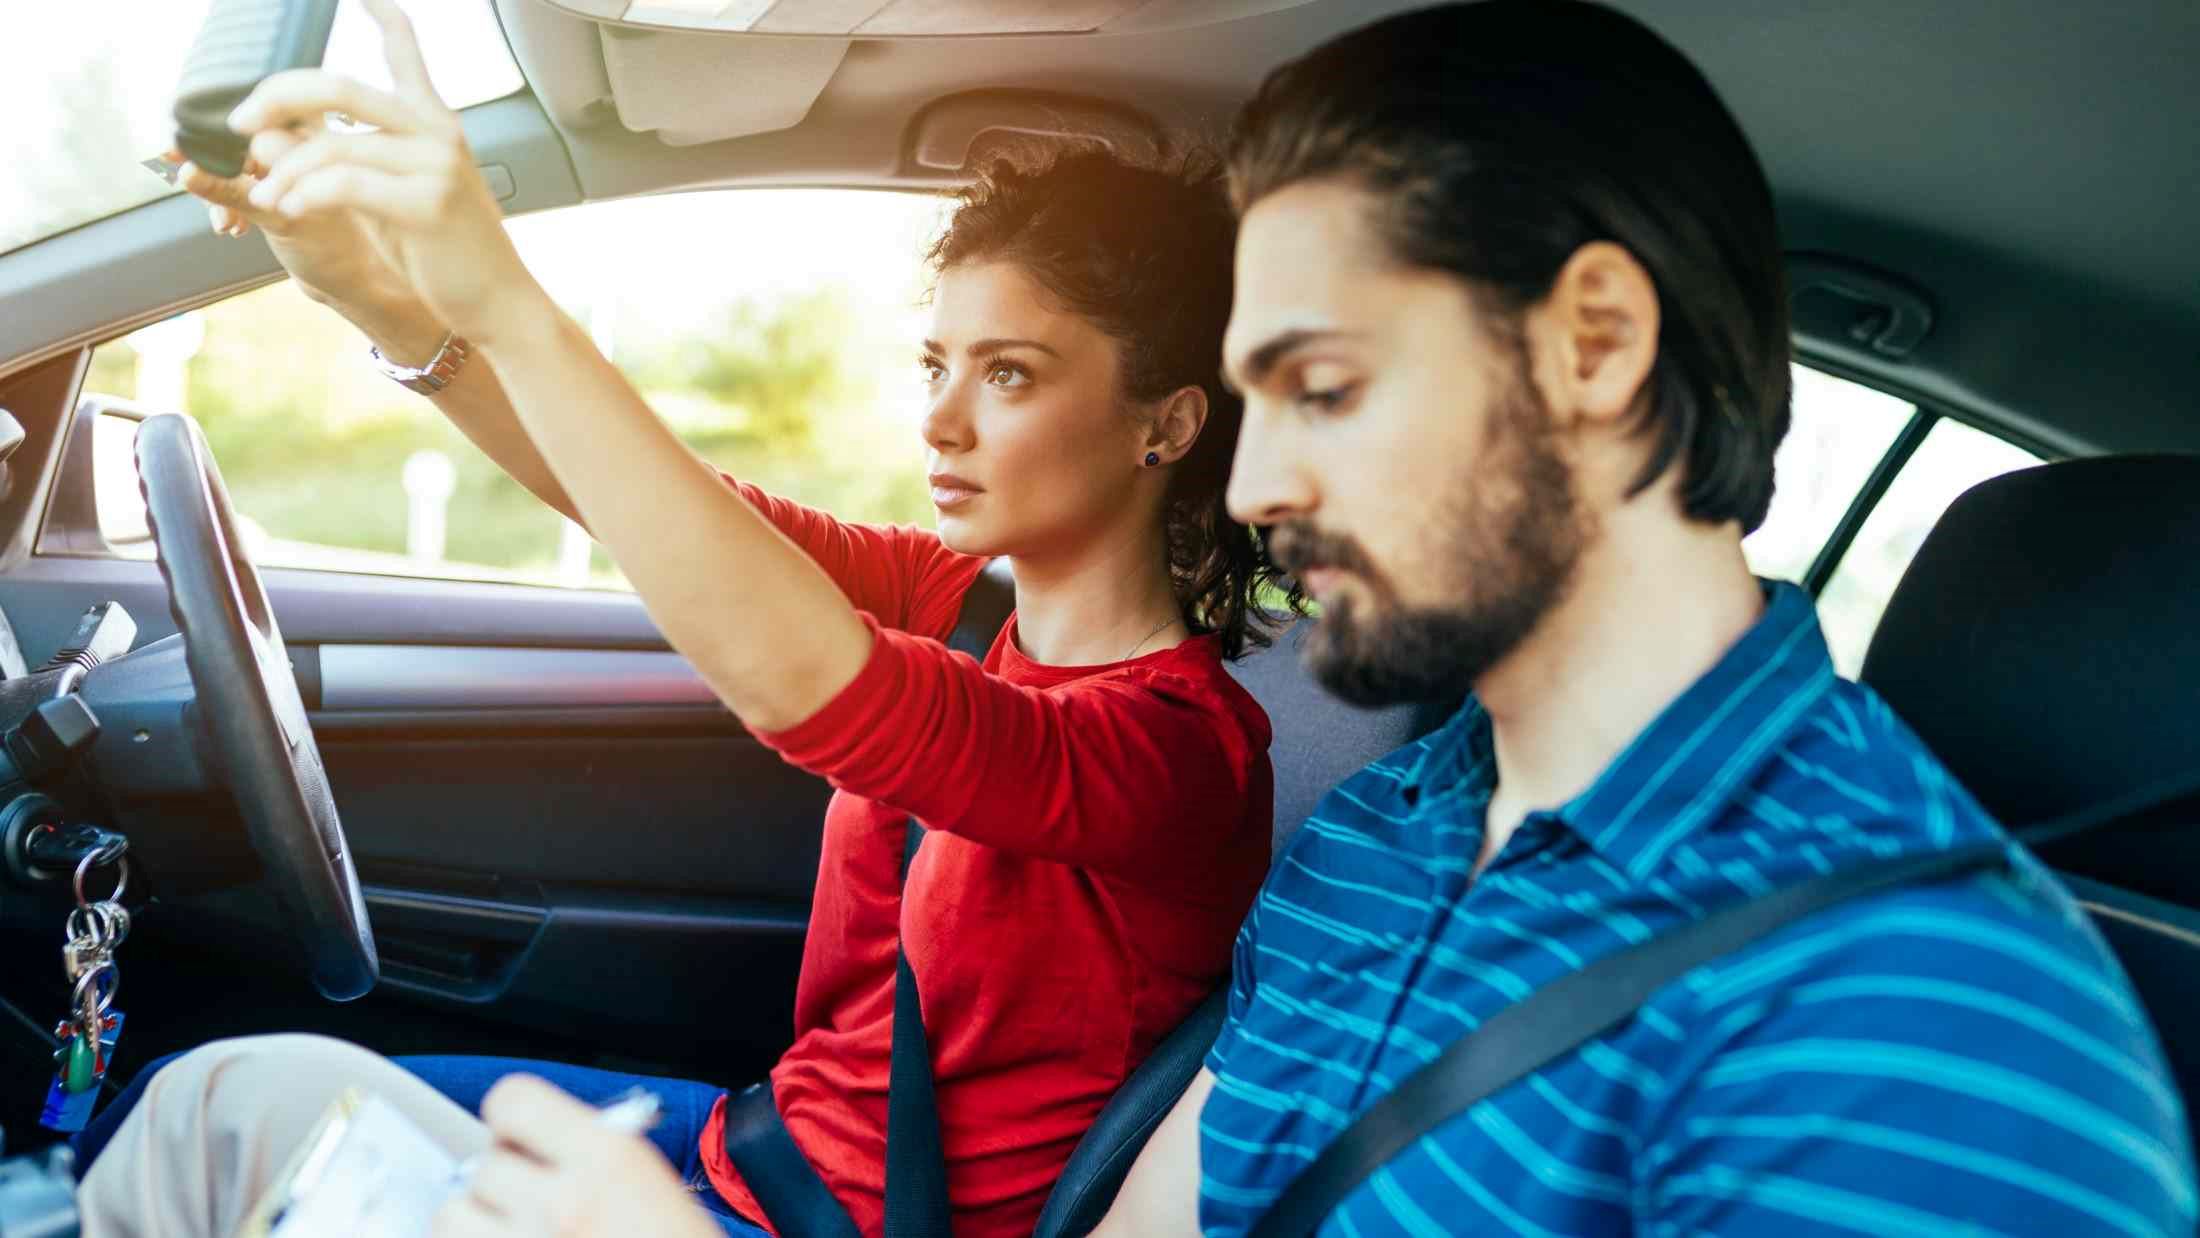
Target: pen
{"points": [[630, 1113]]}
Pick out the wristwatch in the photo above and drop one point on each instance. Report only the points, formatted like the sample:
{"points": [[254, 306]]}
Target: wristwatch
{"points": [[450, 357]]}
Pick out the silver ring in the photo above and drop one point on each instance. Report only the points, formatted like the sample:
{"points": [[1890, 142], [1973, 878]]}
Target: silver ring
{"points": [[94, 923], [115, 855], [106, 1000]]}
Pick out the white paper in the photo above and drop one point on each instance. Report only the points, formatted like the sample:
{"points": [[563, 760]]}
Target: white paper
{"points": [[385, 1179]]}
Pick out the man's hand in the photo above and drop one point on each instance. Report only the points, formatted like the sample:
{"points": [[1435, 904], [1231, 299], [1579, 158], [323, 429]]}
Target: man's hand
{"points": [[554, 1170]]}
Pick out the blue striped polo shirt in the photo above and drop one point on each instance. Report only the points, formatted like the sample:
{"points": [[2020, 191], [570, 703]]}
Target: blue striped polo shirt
{"points": [[1910, 1063]]}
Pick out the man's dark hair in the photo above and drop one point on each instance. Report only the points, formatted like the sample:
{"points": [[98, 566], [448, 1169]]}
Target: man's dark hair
{"points": [[1501, 137], [1144, 253]]}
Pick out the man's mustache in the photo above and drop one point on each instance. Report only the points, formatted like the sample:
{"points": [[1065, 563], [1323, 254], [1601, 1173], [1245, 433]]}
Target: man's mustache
{"points": [[1296, 545]]}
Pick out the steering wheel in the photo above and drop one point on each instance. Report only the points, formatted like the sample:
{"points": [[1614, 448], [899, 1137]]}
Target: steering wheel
{"points": [[249, 698]]}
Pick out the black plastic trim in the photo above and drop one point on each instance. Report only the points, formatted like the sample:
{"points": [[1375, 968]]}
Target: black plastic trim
{"points": [[342, 725], [400, 910], [1890, 465]]}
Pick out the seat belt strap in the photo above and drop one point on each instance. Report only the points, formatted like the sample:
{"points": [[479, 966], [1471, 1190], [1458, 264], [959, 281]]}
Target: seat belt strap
{"points": [[1565, 1014], [786, 1186], [916, 1164]]}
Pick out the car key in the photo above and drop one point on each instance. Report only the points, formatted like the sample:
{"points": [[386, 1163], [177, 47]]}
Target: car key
{"points": [[87, 1036], [242, 43]]}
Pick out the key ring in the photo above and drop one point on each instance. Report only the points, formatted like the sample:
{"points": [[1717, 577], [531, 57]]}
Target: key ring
{"points": [[88, 999], [96, 925], [111, 854], [104, 925]]}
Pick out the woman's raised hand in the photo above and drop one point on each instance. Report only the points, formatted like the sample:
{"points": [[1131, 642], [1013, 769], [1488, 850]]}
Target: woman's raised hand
{"points": [[333, 255], [411, 181]]}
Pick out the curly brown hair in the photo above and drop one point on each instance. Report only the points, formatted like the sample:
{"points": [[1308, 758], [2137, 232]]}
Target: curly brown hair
{"points": [[1143, 252]]}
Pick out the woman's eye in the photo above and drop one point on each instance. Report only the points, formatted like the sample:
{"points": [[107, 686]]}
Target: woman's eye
{"points": [[932, 370], [1003, 375]]}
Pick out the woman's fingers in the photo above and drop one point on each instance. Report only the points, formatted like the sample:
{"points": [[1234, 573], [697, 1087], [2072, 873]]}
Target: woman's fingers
{"points": [[268, 147], [229, 191], [532, 1115], [379, 152], [227, 222], [381, 195], [401, 47], [512, 1185], [304, 98]]}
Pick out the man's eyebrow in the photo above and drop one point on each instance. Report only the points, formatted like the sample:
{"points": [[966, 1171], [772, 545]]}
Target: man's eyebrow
{"points": [[1265, 358]]}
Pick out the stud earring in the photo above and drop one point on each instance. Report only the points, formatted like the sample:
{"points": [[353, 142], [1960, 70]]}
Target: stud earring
{"points": [[1152, 458]]}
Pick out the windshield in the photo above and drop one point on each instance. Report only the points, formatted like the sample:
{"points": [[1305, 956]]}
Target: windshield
{"points": [[87, 85]]}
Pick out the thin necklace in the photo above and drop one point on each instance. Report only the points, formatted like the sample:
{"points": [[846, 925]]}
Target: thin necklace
{"points": [[1147, 637]]}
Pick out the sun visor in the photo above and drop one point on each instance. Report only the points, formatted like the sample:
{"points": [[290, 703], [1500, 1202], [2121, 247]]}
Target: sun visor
{"points": [[688, 90], [888, 19]]}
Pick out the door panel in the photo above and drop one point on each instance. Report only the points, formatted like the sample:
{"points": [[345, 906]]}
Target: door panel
{"points": [[444, 677], [562, 833]]}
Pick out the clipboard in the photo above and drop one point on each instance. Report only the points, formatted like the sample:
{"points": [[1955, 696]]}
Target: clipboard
{"points": [[364, 1171]]}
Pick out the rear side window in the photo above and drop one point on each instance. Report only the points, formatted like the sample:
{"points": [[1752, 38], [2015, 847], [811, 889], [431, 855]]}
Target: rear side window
{"points": [[1952, 458], [1880, 466], [1838, 432]]}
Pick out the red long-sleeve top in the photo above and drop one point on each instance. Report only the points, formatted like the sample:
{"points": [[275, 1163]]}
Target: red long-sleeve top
{"points": [[1097, 833]]}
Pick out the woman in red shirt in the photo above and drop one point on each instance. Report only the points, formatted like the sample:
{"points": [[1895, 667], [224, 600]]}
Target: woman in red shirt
{"points": [[1096, 793]]}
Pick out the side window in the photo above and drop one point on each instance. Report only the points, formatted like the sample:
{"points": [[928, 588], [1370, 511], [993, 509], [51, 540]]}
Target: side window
{"points": [[1837, 433], [1953, 458], [773, 329]]}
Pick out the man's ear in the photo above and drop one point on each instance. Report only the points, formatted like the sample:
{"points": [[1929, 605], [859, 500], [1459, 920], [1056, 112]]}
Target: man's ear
{"points": [[1594, 337], [1177, 422]]}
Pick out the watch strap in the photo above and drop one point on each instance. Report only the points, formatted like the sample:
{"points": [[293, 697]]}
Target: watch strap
{"points": [[450, 357]]}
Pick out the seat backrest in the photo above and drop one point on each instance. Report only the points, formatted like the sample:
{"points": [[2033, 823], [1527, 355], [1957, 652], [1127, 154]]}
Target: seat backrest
{"points": [[2045, 643], [1103, 1158], [1319, 741]]}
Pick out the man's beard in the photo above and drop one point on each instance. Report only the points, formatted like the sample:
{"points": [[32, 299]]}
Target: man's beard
{"points": [[1509, 538]]}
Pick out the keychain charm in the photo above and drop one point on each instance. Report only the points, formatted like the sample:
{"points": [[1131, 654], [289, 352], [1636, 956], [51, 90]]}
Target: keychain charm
{"points": [[87, 1037]]}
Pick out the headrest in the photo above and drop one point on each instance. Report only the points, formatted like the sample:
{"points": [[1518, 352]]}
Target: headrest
{"points": [[2045, 642]]}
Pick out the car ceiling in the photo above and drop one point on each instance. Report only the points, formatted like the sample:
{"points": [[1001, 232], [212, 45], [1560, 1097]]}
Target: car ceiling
{"points": [[2029, 165]]}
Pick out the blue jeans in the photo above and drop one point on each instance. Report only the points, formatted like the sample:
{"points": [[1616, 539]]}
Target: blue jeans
{"points": [[678, 1133], [465, 1080]]}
